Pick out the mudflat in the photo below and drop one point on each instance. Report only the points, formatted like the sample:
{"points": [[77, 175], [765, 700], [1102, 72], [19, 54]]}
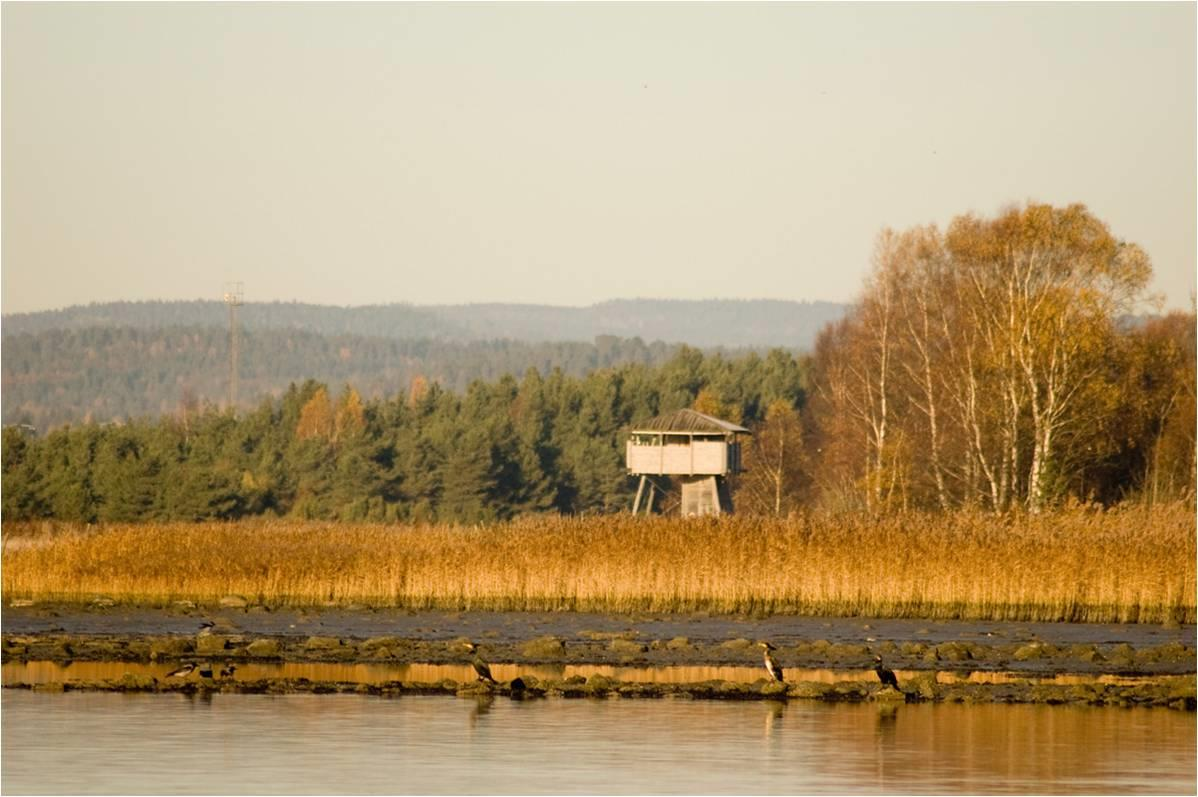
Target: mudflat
{"points": [[363, 634]]}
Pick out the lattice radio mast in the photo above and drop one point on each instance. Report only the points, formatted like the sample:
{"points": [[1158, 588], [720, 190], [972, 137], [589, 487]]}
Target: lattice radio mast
{"points": [[234, 296]]}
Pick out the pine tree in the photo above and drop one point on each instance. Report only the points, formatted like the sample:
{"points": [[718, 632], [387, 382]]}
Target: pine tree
{"points": [[535, 456]]}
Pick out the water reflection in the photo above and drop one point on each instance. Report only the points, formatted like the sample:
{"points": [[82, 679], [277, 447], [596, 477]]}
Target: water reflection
{"points": [[482, 707], [887, 717], [198, 697], [47, 671], [774, 709], [305, 744]]}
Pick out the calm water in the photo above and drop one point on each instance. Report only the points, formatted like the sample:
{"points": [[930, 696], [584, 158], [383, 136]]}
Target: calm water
{"points": [[34, 672], [81, 742]]}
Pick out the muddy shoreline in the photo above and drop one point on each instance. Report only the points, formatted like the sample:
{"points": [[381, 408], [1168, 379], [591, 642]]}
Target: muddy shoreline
{"points": [[1175, 692], [510, 627], [1164, 657], [117, 633]]}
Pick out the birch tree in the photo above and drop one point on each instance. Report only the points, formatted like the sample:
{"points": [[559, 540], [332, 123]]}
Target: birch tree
{"points": [[988, 349], [773, 463], [855, 386], [1047, 286]]}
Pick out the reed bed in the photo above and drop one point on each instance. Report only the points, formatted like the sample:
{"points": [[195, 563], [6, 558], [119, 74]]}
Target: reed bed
{"points": [[1124, 565]]}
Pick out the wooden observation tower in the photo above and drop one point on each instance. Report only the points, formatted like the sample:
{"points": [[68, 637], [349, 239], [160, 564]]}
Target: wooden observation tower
{"points": [[696, 449]]}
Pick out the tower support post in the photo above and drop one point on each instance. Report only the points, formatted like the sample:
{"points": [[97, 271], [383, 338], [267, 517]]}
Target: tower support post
{"points": [[640, 489]]}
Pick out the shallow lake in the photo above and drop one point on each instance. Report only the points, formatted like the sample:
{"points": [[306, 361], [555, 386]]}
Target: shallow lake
{"points": [[36, 672], [95, 742]]}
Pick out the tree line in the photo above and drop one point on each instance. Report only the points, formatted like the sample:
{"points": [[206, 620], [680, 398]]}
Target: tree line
{"points": [[498, 449], [992, 365]]}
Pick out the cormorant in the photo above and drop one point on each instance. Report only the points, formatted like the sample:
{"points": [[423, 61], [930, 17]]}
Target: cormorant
{"points": [[183, 672], [771, 666], [481, 667], [884, 675]]}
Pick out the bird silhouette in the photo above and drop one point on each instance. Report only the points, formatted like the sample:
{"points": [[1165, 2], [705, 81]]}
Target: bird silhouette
{"points": [[183, 672], [771, 666], [480, 666], [228, 670], [884, 675]]}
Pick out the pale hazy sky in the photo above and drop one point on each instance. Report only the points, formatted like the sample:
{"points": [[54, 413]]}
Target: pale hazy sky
{"points": [[568, 153]]}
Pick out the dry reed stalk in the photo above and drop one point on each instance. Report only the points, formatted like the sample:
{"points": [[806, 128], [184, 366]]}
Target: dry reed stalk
{"points": [[1124, 565]]}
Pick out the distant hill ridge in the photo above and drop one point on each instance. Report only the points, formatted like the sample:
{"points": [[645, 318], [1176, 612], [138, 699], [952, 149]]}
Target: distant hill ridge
{"points": [[704, 323], [109, 373]]}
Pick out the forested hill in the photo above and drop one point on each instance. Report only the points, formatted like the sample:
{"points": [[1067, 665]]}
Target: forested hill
{"points": [[106, 362], [757, 323], [111, 373]]}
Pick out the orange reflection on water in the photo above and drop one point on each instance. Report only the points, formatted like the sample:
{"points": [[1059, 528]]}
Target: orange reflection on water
{"points": [[294, 744], [46, 671], [35, 672], [984, 748]]}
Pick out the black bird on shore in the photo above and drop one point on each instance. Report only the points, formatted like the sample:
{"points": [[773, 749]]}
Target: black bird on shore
{"points": [[183, 672], [771, 666], [228, 670], [481, 667], [884, 675]]}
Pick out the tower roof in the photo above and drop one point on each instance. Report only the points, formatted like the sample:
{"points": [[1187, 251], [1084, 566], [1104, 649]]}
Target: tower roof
{"points": [[689, 421]]}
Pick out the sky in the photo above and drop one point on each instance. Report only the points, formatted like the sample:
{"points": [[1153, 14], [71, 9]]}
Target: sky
{"points": [[568, 153]]}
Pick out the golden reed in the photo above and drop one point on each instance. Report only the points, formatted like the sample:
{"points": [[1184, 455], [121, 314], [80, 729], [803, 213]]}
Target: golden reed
{"points": [[1131, 564]]}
